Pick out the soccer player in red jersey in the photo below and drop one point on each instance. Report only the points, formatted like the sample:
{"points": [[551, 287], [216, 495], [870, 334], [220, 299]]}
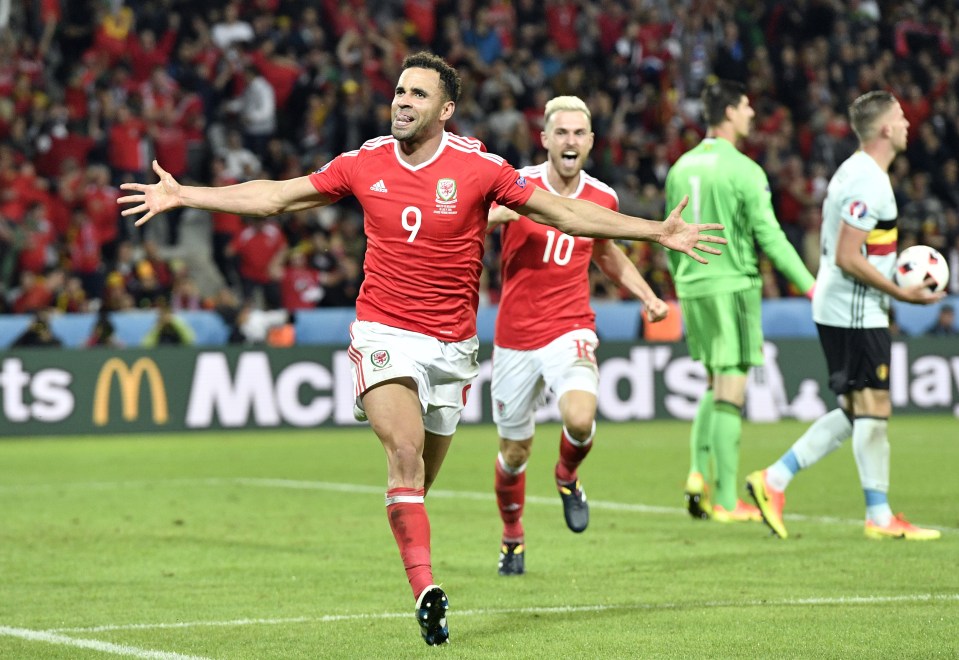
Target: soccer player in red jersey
{"points": [[426, 194], [545, 329]]}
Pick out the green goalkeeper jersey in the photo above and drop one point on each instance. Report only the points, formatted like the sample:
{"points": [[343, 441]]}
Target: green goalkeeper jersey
{"points": [[724, 185]]}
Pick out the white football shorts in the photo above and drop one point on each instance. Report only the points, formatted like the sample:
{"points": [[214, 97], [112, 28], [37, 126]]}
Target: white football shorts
{"points": [[522, 380], [443, 371]]}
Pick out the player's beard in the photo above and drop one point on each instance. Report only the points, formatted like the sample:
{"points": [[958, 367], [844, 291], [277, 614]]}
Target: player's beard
{"points": [[408, 133]]}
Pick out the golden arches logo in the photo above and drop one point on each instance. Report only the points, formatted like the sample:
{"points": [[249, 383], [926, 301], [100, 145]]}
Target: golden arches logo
{"points": [[130, 379]]}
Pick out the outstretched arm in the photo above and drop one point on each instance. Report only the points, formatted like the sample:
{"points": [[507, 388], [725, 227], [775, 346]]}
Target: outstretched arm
{"points": [[621, 270], [579, 217], [256, 198]]}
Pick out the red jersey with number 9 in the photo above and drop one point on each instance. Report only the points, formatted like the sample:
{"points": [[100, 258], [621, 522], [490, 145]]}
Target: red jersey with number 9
{"points": [[546, 273], [425, 227]]}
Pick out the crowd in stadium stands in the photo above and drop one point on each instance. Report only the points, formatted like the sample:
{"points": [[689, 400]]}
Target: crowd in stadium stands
{"points": [[220, 92]]}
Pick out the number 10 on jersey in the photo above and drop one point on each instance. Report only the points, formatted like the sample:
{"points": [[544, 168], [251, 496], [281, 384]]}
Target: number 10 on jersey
{"points": [[562, 251]]}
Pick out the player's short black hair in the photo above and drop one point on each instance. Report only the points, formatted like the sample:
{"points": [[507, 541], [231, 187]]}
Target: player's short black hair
{"points": [[718, 96], [449, 79], [864, 111]]}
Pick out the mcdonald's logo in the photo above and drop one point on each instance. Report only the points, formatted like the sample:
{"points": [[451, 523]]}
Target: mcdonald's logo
{"points": [[130, 379]]}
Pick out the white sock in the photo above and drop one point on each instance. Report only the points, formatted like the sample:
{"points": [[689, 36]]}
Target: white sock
{"points": [[870, 445], [879, 514], [822, 438], [778, 475]]}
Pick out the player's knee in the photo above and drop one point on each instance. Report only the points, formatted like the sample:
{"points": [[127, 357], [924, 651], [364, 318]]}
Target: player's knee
{"points": [[405, 458], [579, 425], [515, 453]]}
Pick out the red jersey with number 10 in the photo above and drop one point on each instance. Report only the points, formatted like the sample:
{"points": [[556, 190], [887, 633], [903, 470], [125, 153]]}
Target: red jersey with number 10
{"points": [[546, 273], [425, 227]]}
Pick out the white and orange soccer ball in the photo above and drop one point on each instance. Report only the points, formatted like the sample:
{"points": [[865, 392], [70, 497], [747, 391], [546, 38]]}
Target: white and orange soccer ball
{"points": [[917, 263]]}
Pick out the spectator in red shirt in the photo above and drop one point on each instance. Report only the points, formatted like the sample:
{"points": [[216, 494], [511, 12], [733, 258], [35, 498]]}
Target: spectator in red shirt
{"points": [[561, 24], [76, 96], [300, 287], [100, 204], [421, 14], [793, 192], [146, 53], [226, 226], [70, 183], [125, 145], [35, 238], [113, 29], [158, 93], [279, 69], [170, 145], [21, 187], [59, 144], [37, 292], [83, 254], [259, 251], [917, 108]]}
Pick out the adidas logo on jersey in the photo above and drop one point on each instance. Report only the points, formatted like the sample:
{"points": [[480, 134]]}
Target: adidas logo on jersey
{"points": [[379, 186]]}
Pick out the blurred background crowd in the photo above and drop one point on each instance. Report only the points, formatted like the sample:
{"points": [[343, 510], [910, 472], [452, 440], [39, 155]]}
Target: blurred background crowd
{"points": [[225, 91]]}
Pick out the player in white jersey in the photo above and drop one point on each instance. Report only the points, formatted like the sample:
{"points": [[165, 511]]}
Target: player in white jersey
{"points": [[851, 310], [545, 329], [425, 195], [859, 194]]}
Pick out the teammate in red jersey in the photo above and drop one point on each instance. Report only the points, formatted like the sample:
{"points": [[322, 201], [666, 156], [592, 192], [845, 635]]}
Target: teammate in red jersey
{"points": [[545, 329], [426, 194]]}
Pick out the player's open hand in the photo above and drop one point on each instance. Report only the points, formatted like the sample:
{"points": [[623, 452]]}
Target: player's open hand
{"points": [[686, 237], [152, 198], [656, 310]]}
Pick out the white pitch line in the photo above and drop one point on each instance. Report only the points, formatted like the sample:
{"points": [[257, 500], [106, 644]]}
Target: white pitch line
{"points": [[364, 489], [530, 499], [564, 609], [51, 637]]}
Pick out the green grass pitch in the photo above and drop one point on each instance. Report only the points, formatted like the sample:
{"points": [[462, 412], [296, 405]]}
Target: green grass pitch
{"points": [[275, 544]]}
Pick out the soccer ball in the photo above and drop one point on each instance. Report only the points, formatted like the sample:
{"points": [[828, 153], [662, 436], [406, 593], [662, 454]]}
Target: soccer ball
{"points": [[917, 263]]}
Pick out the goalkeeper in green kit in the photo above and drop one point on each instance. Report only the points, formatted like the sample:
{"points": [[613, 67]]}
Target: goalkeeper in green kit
{"points": [[722, 304]]}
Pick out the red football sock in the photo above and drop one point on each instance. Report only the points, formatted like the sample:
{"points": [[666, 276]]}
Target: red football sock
{"points": [[411, 529], [511, 496], [571, 454]]}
